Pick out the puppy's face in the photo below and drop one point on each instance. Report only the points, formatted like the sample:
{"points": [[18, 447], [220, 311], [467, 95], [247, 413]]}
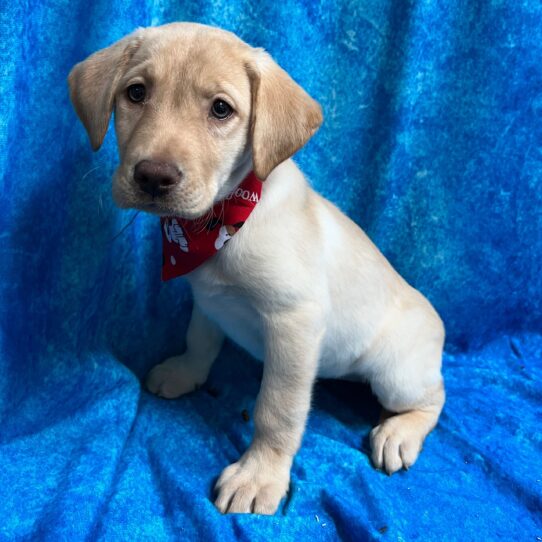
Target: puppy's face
{"points": [[195, 110], [183, 101]]}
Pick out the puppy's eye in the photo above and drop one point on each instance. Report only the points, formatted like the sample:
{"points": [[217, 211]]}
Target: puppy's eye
{"points": [[221, 110], [136, 93]]}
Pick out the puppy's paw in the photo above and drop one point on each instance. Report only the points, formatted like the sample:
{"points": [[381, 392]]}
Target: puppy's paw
{"points": [[173, 378], [255, 484], [395, 445]]}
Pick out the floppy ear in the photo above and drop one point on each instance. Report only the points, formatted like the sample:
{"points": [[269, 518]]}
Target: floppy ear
{"points": [[284, 116], [93, 84]]}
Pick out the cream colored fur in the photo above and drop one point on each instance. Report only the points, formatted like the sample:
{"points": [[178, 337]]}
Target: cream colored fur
{"points": [[301, 287]]}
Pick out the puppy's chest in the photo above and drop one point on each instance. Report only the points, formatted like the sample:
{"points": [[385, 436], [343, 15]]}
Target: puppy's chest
{"points": [[230, 308]]}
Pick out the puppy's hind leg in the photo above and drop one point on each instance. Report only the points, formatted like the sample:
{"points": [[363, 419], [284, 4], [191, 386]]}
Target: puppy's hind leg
{"points": [[408, 383], [397, 441], [182, 374]]}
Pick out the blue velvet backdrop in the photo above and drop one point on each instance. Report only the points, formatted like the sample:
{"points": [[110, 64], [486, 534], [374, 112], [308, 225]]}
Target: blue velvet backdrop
{"points": [[431, 142]]}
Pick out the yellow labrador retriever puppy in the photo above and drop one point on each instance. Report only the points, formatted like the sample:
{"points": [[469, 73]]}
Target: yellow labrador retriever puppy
{"points": [[197, 110]]}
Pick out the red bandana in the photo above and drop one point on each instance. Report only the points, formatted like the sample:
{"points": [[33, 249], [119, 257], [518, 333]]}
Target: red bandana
{"points": [[186, 244]]}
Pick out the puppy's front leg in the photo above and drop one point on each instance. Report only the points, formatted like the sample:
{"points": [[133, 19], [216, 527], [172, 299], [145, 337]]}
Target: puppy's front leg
{"points": [[182, 374], [259, 480]]}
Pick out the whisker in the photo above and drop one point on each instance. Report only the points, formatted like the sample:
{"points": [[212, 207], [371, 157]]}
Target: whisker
{"points": [[90, 171], [124, 228], [205, 220], [222, 211]]}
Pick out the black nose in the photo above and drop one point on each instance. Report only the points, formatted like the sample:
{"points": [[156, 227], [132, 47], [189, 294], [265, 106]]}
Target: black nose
{"points": [[156, 178]]}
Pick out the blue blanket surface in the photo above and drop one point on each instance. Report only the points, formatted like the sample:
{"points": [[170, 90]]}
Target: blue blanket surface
{"points": [[431, 142]]}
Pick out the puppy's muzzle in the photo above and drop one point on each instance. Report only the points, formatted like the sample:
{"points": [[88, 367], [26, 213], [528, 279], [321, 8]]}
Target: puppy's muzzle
{"points": [[156, 178]]}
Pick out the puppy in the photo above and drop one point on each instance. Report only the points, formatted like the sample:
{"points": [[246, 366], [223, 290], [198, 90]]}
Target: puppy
{"points": [[196, 111]]}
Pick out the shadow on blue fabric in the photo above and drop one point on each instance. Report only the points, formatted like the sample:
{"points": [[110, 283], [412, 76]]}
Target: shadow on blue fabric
{"points": [[431, 142]]}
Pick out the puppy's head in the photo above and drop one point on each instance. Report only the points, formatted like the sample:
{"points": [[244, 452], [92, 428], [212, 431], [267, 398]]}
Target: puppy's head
{"points": [[196, 109]]}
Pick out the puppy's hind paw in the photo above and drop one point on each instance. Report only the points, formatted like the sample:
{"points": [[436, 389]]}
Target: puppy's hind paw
{"points": [[394, 447], [172, 378]]}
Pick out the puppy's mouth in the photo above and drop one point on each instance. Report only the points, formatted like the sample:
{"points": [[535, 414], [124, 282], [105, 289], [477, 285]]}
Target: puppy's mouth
{"points": [[159, 209], [155, 208], [186, 201], [159, 206]]}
